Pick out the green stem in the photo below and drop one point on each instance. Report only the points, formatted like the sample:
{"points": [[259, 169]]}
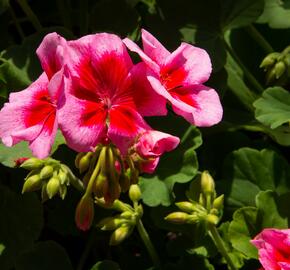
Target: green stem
{"points": [[148, 244], [30, 14], [247, 73], [186, 134], [256, 35], [220, 246], [16, 23], [90, 242]]}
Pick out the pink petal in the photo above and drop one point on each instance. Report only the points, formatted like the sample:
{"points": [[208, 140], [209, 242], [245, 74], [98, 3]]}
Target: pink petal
{"points": [[194, 62], [148, 102], [50, 53], [150, 165], [199, 105], [30, 116], [132, 46], [153, 48], [83, 123]]}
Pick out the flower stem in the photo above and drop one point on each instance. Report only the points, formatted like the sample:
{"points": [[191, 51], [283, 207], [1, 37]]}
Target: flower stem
{"points": [[256, 35], [220, 246], [247, 73], [148, 244], [30, 14]]}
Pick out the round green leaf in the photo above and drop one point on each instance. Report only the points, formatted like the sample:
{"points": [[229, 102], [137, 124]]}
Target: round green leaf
{"points": [[273, 108]]}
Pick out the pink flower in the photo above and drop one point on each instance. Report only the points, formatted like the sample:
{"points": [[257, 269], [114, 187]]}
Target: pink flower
{"points": [[107, 95], [151, 145], [31, 114], [274, 248], [179, 77]]}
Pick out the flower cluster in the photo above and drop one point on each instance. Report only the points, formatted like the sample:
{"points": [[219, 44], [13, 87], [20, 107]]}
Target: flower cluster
{"points": [[92, 91]]}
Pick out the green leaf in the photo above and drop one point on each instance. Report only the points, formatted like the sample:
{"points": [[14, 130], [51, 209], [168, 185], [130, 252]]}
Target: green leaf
{"points": [[179, 166], [250, 171], [274, 209], [276, 14], [45, 256], [21, 222], [273, 108], [8, 155], [244, 227], [106, 265], [240, 13]]}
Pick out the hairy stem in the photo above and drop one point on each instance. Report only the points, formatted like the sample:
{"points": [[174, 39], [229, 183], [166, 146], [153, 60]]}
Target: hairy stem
{"points": [[220, 246], [148, 244]]}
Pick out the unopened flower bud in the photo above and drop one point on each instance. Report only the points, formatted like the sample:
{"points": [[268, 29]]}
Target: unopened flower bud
{"points": [[135, 193], [269, 60], [85, 213], [207, 183], [279, 69], [212, 219], [84, 162], [185, 206], [32, 164], [126, 215], [177, 217], [63, 177], [110, 223], [46, 172], [32, 183], [119, 235], [62, 191], [139, 210], [218, 202], [52, 186], [78, 157]]}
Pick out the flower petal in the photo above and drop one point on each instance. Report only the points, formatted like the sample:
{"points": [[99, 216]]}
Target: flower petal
{"points": [[83, 123], [50, 53], [153, 48], [194, 62], [148, 102], [132, 46], [199, 105]]}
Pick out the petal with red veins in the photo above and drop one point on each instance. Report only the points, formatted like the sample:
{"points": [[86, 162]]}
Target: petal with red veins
{"points": [[204, 103], [153, 48], [83, 123], [50, 53], [194, 62], [147, 101], [132, 46], [125, 124], [28, 116]]}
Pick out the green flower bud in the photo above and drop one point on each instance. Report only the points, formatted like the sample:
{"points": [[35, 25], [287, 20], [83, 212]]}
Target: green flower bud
{"points": [[207, 183], [110, 223], [84, 162], [53, 186], [62, 191], [186, 206], [100, 185], [279, 69], [77, 159], [32, 164], [32, 183], [134, 193], [85, 212], [212, 219], [63, 177], [218, 202], [127, 215], [119, 235], [46, 172], [269, 60], [270, 76], [178, 217], [192, 219], [44, 196]]}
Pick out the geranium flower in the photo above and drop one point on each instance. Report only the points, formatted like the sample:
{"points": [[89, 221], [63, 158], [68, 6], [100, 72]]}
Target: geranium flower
{"points": [[274, 248], [31, 114], [151, 145], [179, 77], [107, 95]]}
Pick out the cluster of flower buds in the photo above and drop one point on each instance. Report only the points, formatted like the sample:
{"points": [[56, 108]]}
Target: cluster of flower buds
{"points": [[207, 208], [277, 67], [49, 176], [123, 223]]}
